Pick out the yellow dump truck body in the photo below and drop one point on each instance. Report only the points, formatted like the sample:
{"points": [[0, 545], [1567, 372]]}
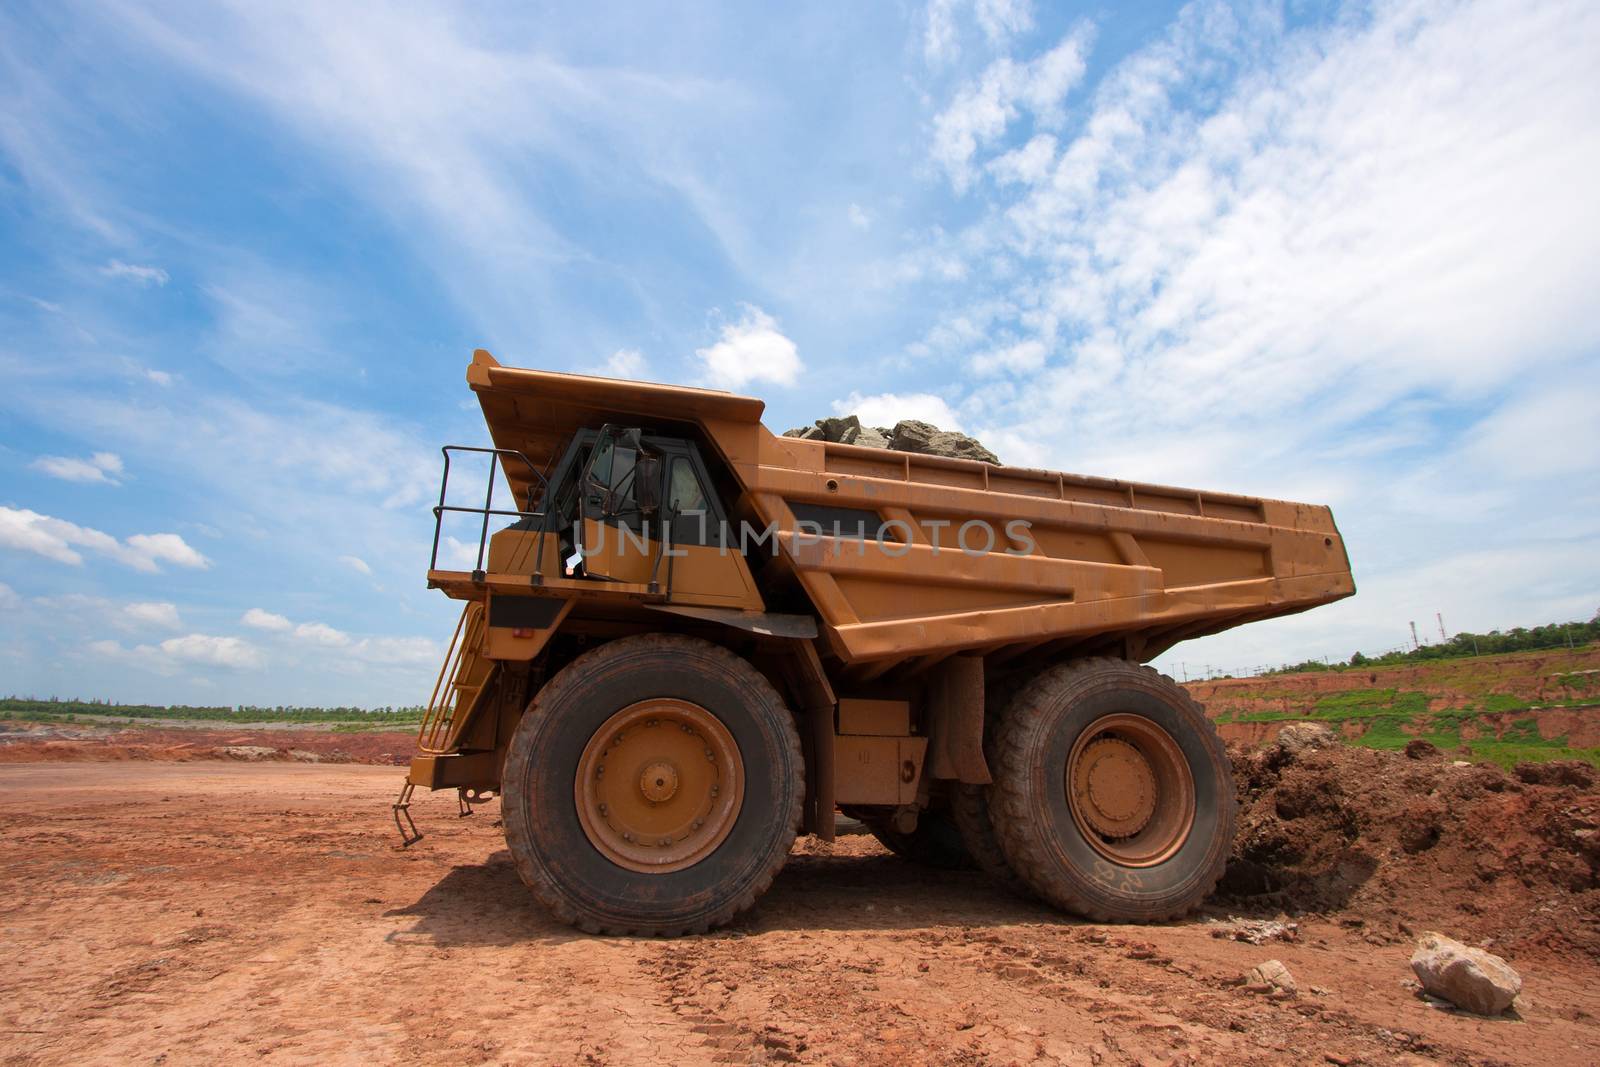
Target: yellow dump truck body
{"points": [[685, 639], [976, 558]]}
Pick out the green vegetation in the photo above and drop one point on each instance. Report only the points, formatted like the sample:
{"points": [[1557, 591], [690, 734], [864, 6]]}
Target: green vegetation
{"points": [[1486, 708], [1495, 642], [54, 710]]}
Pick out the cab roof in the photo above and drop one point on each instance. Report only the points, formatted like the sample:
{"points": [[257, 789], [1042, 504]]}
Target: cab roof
{"points": [[536, 412]]}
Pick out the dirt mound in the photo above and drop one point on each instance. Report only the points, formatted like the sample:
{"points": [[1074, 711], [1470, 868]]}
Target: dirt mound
{"points": [[37, 743], [1396, 841]]}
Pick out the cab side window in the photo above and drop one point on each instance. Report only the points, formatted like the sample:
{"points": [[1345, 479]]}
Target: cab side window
{"points": [[693, 523]]}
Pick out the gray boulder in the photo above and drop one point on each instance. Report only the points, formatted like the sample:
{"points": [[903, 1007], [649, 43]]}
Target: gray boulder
{"points": [[924, 438], [1467, 977], [908, 435]]}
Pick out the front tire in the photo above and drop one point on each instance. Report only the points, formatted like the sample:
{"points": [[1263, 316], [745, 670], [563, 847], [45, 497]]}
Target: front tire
{"points": [[1113, 797], [701, 805]]}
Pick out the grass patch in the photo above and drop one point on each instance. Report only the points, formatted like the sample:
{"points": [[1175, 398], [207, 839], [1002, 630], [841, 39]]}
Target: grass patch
{"points": [[1508, 754]]}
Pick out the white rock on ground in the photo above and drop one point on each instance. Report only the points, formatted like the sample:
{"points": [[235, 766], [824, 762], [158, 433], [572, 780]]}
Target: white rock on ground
{"points": [[1274, 974], [1467, 977], [1301, 737]]}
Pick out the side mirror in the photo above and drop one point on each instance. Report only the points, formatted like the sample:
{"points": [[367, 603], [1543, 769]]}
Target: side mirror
{"points": [[647, 482]]}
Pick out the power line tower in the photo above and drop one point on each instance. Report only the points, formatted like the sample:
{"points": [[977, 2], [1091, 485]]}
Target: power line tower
{"points": [[1440, 616], [1415, 644]]}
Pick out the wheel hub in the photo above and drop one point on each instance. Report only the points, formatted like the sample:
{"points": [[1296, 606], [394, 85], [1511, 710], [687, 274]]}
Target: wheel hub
{"points": [[1117, 789], [659, 782], [659, 786], [1130, 791]]}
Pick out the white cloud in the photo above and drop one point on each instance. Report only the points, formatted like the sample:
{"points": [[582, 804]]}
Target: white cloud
{"points": [[983, 110], [1021, 357], [171, 656], [230, 652], [57, 539], [133, 272], [859, 217], [751, 350], [463, 554], [102, 467], [399, 651], [1003, 19], [438, 123], [9, 599], [886, 409], [160, 377], [1352, 263], [163, 548], [266, 620], [356, 563], [1028, 164], [328, 644], [623, 363], [940, 40], [153, 613], [318, 633], [1000, 20], [51, 538]]}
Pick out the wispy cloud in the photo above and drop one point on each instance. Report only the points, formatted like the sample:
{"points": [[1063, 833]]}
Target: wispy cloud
{"points": [[102, 467], [357, 564], [983, 110], [137, 273], [438, 124], [154, 613], [623, 363], [1253, 245]]}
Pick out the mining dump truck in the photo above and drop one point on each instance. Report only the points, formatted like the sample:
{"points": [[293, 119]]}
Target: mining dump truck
{"points": [[685, 639]]}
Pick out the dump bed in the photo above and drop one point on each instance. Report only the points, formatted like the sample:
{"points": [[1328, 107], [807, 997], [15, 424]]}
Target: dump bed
{"points": [[957, 555]]}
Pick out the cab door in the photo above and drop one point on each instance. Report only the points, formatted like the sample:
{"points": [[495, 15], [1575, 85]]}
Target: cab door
{"points": [[649, 514]]}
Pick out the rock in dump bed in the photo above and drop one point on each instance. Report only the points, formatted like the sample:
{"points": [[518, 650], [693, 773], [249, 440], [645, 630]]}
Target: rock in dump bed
{"points": [[1394, 844], [908, 435]]}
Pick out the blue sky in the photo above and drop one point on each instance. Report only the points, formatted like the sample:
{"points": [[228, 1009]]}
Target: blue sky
{"points": [[1345, 254]]}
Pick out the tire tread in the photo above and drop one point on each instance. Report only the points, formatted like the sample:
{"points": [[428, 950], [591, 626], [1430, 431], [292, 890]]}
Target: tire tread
{"points": [[519, 758]]}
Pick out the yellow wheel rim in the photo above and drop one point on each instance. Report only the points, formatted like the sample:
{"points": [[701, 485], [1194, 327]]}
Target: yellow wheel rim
{"points": [[659, 786], [1130, 791]]}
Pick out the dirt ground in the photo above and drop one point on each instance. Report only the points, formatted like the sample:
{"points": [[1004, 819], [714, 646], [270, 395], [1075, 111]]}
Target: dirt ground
{"points": [[28, 742], [210, 911]]}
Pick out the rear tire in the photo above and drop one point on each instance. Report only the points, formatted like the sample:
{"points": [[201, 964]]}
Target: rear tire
{"points": [[581, 868], [1113, 797], [969, 804], [969, 810]]}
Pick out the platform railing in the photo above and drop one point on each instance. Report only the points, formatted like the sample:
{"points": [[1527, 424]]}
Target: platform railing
{"points": [[542, 489]]}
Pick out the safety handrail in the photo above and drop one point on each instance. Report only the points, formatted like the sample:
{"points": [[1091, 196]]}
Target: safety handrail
{"points": [[489, 509], [436, 718]]}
